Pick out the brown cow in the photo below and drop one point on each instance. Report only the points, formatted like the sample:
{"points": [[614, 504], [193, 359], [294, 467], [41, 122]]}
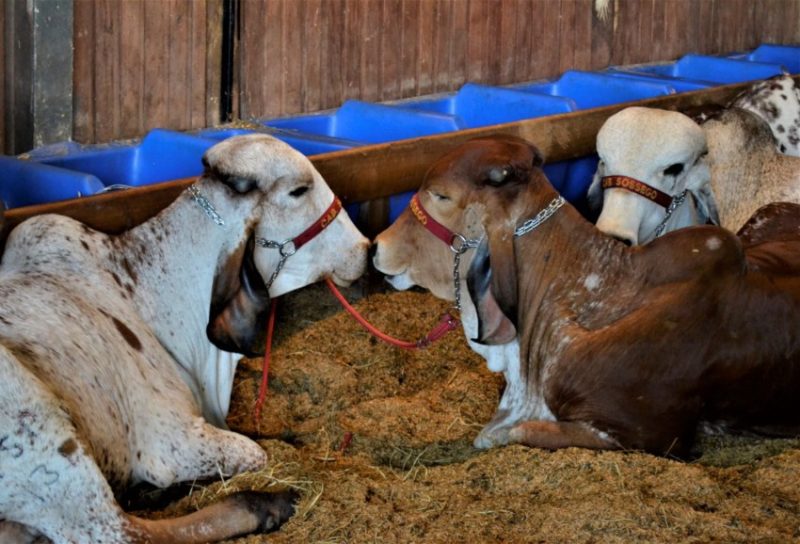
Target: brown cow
{"points": [[627, 347]]}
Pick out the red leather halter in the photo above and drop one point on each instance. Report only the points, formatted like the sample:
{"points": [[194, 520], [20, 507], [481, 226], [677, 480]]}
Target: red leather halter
{"points": [[638, 187]]}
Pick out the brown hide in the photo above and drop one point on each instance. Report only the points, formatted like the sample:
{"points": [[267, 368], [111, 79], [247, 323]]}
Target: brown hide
{"points": [[642, 344], [239, 306]]}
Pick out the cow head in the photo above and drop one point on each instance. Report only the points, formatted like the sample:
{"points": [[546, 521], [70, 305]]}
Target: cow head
{"points": [[283, 195], [410, 255], [502, 206], [664, 150]]}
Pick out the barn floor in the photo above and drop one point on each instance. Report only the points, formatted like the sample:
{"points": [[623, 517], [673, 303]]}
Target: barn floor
{"points": [[409, 474]]}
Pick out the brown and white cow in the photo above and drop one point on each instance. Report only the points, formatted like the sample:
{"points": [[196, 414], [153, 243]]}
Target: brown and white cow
{"points": [[410, 254], [631, 347], [105, 361], [615, 341]]}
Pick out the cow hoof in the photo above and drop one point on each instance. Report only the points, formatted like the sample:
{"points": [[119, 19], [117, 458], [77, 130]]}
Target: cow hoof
{"points": [[491, 437], [273, 508]]}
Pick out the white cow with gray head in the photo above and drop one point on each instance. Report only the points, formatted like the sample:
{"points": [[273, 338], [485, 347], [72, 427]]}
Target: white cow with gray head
{"points": [[106, 352], [660, 171]]}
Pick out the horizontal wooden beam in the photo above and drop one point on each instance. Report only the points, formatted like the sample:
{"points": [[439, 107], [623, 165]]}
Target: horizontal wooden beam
{"points": [[377, 171]]}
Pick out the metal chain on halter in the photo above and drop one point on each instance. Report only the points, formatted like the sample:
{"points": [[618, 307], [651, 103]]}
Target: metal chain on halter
{"points": [[677, 200], [540, 217], [206, 206], [458, 250], [282, 250]]}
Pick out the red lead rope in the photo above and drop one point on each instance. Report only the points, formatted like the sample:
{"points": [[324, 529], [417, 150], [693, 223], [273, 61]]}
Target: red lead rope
{"points": [[446, 324], [262, 388]]}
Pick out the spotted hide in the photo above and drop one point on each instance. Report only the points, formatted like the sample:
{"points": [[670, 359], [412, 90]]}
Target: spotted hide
{"points": [[106, 365]]}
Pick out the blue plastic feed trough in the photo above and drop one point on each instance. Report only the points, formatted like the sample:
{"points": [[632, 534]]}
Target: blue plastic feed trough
{"points": [[365, 123], [161, 156], [308, 144], [480, 105], [715, 70], [786, 55], [592, 90], [24, 183]]}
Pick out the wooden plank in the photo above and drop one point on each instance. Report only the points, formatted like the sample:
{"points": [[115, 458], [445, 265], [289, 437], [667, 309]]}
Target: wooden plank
{"points": [[202, 42], [583, 35], [293, 32], [507, 41], [478, 32], [332, 79], [601, 38], [370, 50], [253, 60], [352, 50], [312, 58], [391, 43], [442, 34], [131, 67], [358, 175], [271, 73], [408, 59], [426, 18], [178, 114], [458, 43], [106, 71], [5, 78], [566, 35], [83, 72], [524, 41], [156, 67], [547, 38]]}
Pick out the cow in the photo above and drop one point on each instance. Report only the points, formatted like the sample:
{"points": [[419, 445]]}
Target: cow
{"points": [[109, 345], [777, 101], [660, 171], [410, 254], [628, 347]]}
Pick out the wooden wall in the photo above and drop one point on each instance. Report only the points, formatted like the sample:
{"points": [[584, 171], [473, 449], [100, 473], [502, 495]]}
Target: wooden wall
{"points": [[141, 64]]}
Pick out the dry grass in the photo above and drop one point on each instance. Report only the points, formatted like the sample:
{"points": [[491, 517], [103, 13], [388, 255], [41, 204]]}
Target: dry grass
{"points": [[410, 474]]}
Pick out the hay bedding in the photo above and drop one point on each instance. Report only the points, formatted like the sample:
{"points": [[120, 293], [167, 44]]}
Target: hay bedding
{"points": [[410, 474]]}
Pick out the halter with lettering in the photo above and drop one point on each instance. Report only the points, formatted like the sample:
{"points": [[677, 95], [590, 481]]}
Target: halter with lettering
{"points": [[640, 188]]}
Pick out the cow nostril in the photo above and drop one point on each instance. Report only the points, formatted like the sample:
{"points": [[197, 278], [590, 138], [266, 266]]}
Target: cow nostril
{"points": [[627, 241]]}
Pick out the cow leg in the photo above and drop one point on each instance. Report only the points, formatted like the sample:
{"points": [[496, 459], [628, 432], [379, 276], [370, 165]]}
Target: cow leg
{"points": [[48, 480], [553, 435], [191, 449], [516, 405]]}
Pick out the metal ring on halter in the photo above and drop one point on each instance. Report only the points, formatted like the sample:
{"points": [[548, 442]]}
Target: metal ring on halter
{"points": [[282, 248], [463, 245]]}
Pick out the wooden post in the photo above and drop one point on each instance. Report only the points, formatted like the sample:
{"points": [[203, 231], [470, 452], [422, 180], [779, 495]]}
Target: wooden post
{"points": [[39, 60]]}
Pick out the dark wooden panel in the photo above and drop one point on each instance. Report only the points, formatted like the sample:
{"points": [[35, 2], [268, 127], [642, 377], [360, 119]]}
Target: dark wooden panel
{"points": [[5, 78], [141, 64]]}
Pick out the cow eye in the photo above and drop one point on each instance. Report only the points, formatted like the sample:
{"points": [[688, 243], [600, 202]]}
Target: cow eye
{"points": [[299, 191], [439, 196], [497, 175], [674, 169]]}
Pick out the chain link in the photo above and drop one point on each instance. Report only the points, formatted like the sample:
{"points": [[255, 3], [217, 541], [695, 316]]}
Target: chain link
{"points": [[673, 205], [206, 206], [540, 217]]}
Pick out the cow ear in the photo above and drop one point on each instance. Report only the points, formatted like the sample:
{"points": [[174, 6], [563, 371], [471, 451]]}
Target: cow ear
{"points": [[239, 184], [239, 324], [492, 283]]}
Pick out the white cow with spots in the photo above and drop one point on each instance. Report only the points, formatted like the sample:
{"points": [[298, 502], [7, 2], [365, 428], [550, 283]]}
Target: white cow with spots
{"points": [[105, 360], [777, 101], [720, 172]]}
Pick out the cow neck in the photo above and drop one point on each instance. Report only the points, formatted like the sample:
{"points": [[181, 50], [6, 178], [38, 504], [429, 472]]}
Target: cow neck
{"points": [[559, 259], [176, 257]]}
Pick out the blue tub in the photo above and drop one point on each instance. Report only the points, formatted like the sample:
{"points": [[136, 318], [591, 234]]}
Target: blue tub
{"points": [[162, 155], [714, 70], [480, 105], [592, 90], [786, 55], [680, 85], [24, 183], [308, 144], [367, 123]]}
